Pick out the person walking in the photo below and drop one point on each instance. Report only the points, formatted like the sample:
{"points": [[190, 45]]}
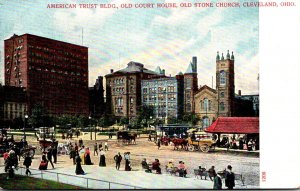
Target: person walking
{"points": [[158, 144], [54, 153], [127, 161], [118, 159], [229, 178], [49, 156], [217, 182], [96, 148], [72, 154], [78, 169], [211, 172], [105, 146], [102, 158], [27, 163], [80, 142]]}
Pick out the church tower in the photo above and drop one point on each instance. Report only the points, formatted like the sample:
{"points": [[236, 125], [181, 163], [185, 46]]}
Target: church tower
{"points": [[190, 86], [225, 84]]}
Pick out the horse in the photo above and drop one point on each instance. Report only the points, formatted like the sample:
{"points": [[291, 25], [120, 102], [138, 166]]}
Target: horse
{"points": [[180, 142]]}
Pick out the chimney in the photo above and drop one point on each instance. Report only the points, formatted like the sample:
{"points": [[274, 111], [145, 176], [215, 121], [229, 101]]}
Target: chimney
{"points": [[111, 71], [240, 93]]}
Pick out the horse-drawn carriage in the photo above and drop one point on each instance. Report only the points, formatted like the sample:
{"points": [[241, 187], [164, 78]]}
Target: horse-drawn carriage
{"points": [[200, 141], [46, 138], [126, 137]]}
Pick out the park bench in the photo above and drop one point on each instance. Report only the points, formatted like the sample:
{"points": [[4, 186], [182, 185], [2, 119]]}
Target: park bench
{"points": [[201, 172], [172, 171]]}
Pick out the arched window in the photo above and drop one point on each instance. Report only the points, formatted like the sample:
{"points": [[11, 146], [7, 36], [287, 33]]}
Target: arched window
{"points": [[222, 77], [206, 104], [222, 94], [222, 106], [205, 121]]}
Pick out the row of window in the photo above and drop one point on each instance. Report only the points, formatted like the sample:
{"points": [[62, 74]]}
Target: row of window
{"points": [[32, 67]]}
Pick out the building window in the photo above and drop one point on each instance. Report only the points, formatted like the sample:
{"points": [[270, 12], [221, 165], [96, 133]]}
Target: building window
{"points": [[222, 77], [201, 105], [131, 100], [205, 121], [222, 106], [145, 90], [222, 94], [206, 104]]}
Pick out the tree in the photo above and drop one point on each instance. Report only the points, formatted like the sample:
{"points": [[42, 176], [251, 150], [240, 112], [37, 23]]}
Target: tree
{"points": [[191, 118], [39, 117], [144, 114]]}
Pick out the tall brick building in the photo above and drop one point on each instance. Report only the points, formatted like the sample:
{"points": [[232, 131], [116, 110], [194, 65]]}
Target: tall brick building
{"points": [[54, 73], [123, 89]]}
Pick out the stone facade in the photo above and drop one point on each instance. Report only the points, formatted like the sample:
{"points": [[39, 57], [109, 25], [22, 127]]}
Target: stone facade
{"points": [[123, 89], [165, 95], [12, 103], [206, 105], [190, 86], [222, 102], [225, 85]]}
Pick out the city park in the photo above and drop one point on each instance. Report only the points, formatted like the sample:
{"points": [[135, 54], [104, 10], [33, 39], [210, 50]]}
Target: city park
{"points": [[153, 139]]}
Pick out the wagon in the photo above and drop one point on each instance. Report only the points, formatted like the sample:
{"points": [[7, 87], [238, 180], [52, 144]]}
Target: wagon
{"points": [[203, 143]]}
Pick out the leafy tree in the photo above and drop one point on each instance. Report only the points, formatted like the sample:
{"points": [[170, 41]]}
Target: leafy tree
{"points": [[191, 118], [39, 117], [144, 115]]}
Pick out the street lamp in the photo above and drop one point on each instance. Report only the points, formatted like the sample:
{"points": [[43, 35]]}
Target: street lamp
{"points": [[90, 126], [25, 118]]}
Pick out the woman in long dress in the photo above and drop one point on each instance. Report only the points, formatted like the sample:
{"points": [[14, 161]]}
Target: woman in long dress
{"points": [[87, 157], [127, 161], [78, 169], [102, 158], [81, 154]]}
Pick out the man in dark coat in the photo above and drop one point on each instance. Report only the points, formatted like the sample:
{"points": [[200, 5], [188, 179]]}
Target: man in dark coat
{"points": [[54, 153], [229, 178], [27, 163], [49, 156], [118, 159]]}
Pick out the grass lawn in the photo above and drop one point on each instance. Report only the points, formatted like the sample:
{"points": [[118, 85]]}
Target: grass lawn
{"points": [[29, 183]]}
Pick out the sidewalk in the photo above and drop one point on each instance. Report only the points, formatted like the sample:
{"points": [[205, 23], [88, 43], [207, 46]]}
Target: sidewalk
{"points": [[138, 179]]}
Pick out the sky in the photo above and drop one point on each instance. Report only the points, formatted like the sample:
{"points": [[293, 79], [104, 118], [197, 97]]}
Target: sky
{"points": [[168, 38]]}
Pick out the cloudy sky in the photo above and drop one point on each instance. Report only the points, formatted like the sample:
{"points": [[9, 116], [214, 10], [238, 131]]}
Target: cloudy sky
{"points": [[155, 37]]}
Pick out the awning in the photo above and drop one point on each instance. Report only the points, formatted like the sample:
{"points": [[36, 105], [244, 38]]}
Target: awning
{"points": [[235, 125]]}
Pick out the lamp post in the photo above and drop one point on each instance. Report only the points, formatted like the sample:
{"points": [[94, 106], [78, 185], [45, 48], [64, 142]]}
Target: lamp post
{"points": [[90, 127], [24, 135]]}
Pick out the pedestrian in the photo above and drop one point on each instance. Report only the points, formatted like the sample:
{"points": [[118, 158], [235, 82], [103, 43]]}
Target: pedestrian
{"points": [[229, 178], [118, 159], [78, 169], [96, 148], [211, 172], [149, 137], [27, 163], [77, 133], [54, 153], [80, 142], [76, 147], [87, 157], [105, 146], [217, 182], [102, 158], [49, 156], [72, 154], [158, 144], [81, 154], [100, 146], [127, 161], [250, 143], [156, 166], [43, 163]]}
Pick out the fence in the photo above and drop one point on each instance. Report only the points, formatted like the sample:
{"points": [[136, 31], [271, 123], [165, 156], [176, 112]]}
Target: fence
{"points": [[89, 183]]}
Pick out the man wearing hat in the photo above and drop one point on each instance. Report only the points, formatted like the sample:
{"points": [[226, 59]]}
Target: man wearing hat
{"points": [[229, 178]]}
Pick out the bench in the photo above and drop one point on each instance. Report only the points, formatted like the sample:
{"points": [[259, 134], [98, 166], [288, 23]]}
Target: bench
{"points": [[172, 171], [200, 172]]}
